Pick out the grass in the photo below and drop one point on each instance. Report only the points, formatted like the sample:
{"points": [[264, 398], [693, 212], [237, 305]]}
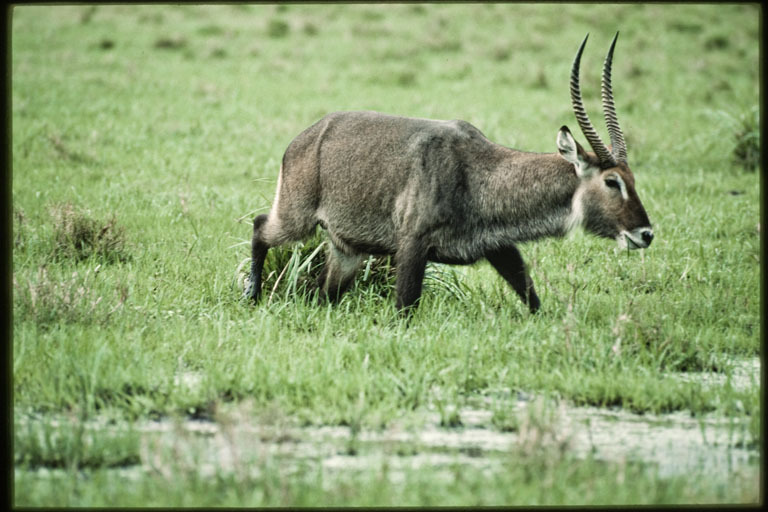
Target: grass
{"points": [[145, 139], [521, 480]]}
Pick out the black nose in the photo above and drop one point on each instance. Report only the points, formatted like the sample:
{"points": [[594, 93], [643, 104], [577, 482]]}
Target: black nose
{"points": [[648, 237]]}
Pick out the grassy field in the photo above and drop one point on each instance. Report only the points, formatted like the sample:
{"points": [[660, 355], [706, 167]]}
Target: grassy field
{"points": [[146, 138]]}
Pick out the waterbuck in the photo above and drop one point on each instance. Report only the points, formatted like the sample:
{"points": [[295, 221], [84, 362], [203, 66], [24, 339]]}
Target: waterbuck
{"points": [[425, 190]]}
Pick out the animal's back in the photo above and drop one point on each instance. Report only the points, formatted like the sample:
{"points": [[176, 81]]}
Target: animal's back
{"points": [[363, 172]]}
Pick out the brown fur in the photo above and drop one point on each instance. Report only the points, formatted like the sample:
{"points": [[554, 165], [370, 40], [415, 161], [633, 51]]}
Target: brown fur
{"points": [[425, 190]]}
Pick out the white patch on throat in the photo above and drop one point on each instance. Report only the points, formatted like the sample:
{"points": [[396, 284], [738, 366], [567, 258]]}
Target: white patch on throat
{"points": [[576, 218]]}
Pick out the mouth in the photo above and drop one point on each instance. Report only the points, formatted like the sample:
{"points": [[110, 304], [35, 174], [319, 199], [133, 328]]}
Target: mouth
{"points": [[631, 244], [627, 241]]}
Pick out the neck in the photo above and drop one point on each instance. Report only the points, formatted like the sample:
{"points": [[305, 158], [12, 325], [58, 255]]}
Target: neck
{"points": [[530, 194]]}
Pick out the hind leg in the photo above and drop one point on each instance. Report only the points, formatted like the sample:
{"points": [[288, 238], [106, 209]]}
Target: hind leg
{"points": [[293, 217], [269, 231], [338, 273], [259, 250], [411, 262]]}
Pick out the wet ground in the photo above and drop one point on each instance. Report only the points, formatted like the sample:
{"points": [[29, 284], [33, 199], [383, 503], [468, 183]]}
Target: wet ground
{"points": [[677, 444]]}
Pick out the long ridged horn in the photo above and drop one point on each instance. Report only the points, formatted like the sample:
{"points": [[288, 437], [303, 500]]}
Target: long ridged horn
{"points": [[606, 157], [619, 147]]}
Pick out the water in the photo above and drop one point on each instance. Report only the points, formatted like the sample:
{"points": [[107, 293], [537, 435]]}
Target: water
{"points": [[676, 444]]}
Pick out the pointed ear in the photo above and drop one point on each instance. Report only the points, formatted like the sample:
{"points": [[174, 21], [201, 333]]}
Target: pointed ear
{"points": [[574, 153]]}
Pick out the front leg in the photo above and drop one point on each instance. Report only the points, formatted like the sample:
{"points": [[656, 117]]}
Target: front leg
{"points": [[509, 263], [411, 262]]}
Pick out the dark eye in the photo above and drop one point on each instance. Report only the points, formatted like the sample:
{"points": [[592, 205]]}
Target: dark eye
{"points": [[613, 183]]}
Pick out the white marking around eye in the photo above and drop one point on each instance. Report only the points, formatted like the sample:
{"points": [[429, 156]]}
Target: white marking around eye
{"points": [[622, 186]]}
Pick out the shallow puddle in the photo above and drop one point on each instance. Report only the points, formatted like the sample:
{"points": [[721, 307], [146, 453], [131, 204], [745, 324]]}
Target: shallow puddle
{"points": [[676, 444], [745, 374]]}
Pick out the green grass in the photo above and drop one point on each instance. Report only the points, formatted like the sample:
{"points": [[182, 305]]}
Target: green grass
{"points": [[145, 139], [522, 479]]}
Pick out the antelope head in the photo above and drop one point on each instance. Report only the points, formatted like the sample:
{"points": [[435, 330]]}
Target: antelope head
{"points": [[605, 202]]}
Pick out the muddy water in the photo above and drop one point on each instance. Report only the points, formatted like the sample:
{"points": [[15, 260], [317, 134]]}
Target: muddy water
{"points": [[676, 444]]}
